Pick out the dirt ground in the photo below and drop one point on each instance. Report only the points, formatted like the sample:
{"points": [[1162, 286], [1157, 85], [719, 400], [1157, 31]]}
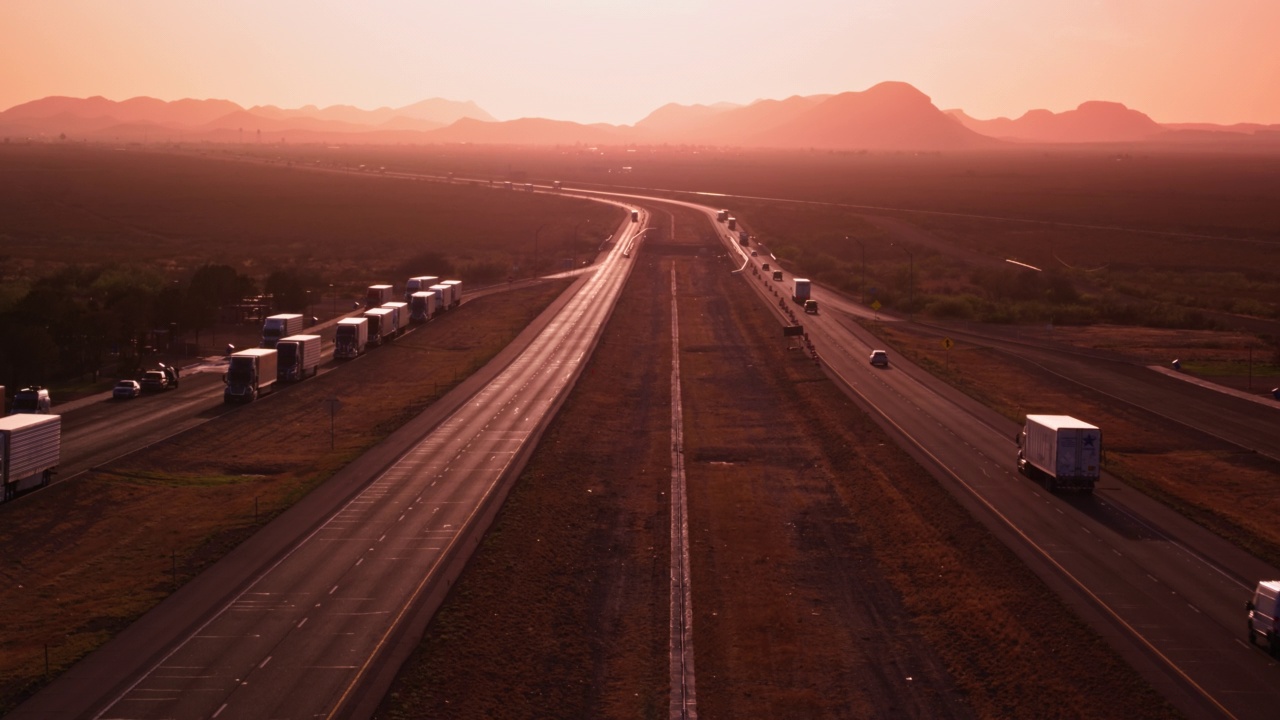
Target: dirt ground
{"points": [[85, 558], [831, 575]]}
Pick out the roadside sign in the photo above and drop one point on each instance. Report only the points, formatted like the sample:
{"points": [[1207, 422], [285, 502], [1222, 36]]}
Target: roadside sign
{"points": [[875, 305], [947, 344]]}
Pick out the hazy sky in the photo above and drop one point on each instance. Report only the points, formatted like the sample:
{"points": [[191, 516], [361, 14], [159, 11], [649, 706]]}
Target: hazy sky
{"points": [[617, 60]]}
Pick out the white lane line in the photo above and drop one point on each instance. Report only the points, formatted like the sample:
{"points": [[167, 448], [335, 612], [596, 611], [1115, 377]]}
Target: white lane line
{"points": [[683, 702]]}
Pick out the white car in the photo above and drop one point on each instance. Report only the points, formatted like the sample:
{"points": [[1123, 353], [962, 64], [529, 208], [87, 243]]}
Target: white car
{"points": [[126, 389], [880, 358], [1264, 615]]}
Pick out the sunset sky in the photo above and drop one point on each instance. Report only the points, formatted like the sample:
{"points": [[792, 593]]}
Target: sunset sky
{"points": [[616, 60]]}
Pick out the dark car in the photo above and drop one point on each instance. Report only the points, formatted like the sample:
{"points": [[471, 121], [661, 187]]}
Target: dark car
{"points": [[126, 389], [154, 381]]}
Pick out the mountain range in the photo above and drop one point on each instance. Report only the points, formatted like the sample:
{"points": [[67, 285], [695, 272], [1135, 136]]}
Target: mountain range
{"points": [[891, 116]]}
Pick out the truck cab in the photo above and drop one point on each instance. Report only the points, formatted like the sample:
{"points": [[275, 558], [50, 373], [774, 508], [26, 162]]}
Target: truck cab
{"points": [[1263, 609]]}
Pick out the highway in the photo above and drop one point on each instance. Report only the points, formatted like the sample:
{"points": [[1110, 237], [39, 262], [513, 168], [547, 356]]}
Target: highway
{"points": [[315, 625], [1167, 594]]}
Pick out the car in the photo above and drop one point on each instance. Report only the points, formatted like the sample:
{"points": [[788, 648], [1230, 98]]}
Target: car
{"points": [[880, 358], [754, 253], [126, 389], [34, 400], [1264, 615], [155, 380]]}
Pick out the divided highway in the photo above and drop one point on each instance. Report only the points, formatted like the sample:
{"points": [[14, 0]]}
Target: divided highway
{"points": [[1168, 594], [318, 627]]}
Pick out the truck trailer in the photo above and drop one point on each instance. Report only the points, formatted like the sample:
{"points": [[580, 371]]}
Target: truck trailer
{"points": [[401, 319], [297, 357], [376, 295], [250, 375], [351, 339], [1062, 451], [802, 290], [732, 223], [722, 216], [422, 305], [744, 238], [30, 446], [418, 284], [444, 294], [381, 325], [455, 298], [278, 326]]}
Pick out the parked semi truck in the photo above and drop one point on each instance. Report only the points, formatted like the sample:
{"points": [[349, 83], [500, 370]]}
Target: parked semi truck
{"points": [[444, 293], [30, 446], [351, 339], [1062, 451], [400, 318], [381, 325], [455, 297], [418, 284], [298, 357], [422, 306], [278, 326], [250, 375], [376, 295]]}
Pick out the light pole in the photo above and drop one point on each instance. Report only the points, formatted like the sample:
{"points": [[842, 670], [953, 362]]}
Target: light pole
{"points": [[863, 286], [535, 249], [911, 282]]}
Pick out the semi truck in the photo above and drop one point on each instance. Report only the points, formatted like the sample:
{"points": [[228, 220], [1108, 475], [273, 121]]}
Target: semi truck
{"points": [[1063, 452], [32, 400], [732, 223], [376, 295], [250, 375], [455, 298], [722, 216], [422, 305], [278, 326], [381, 325], [744, 238], [351, 338], [297, 357], [400, 317], [802, 290], [30, 446], [444, 294], [418, 284]]}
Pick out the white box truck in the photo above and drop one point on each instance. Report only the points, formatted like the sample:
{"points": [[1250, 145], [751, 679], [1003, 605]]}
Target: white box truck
{"points": [[250, 375], [351, 338], [278, 326], [378, 294], [1264, 615], [422, 305], [1064, 452], [297, 357], [381, 327], [418, 284], [455, 299], [30, 446]]}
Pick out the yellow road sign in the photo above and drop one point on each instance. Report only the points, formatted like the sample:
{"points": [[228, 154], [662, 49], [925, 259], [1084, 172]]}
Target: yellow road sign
{"points": [[947, 344], [875, 304]]}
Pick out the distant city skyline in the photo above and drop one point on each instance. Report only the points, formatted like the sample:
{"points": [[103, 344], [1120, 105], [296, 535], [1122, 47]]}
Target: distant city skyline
{"points": [[615, 61]]}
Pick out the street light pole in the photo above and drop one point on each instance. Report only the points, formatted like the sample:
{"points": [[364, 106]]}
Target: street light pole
{"points": [[535, 249]]}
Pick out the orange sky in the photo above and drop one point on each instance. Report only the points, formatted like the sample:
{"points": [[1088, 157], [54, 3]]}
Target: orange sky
{"points": [[617, 60]]}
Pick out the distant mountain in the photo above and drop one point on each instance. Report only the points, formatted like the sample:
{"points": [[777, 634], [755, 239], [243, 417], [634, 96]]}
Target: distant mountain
{"points": [[888, 116], [1091, 122], [526, 131], [673, 118], [139, 109], [435, 112]]}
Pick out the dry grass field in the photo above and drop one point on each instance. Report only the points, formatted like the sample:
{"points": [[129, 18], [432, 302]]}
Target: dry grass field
{"points": [[832, 576]]}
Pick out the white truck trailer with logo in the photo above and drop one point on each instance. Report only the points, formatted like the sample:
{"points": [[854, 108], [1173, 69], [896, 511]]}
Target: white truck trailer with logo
{"points": [[30, 446], [1064, 452], [298, 357], [381, 325], [422, 306], [351, 339], [250, 375], [279, 326]]}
